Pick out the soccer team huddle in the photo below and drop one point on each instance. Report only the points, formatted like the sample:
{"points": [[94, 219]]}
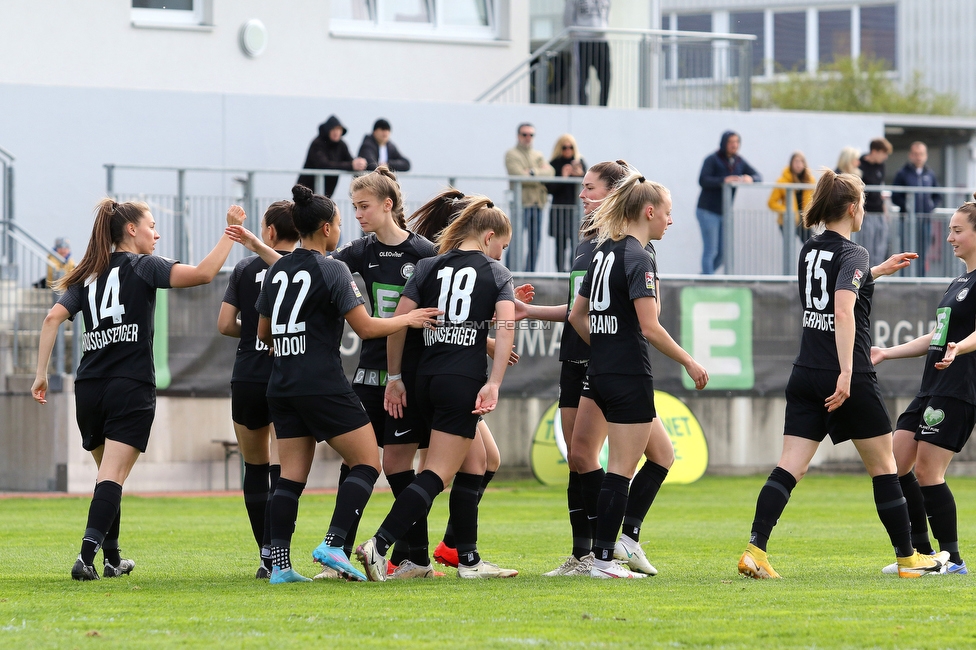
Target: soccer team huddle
{"points": [[437, 287]]}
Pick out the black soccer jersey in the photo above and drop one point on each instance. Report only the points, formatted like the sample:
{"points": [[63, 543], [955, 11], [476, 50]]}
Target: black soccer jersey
{"points": [[253, 363], [955, 319], [385, 270], [119, 308], [828, 263], [465, 285], [621, 272], [306, 295]]}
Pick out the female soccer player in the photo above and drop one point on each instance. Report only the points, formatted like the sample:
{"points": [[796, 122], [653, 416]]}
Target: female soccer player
{"points": [[939, 421], [302, 303], [483, 458], [386, 258], [114, 286], [249, 382], [470, 286], [833, 389], [616, 313]]}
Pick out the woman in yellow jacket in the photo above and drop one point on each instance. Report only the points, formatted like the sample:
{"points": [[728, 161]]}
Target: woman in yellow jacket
{"points": [[796, 172]]}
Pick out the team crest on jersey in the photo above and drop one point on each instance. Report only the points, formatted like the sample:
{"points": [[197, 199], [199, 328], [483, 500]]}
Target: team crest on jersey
{"points": [[355, 289], [649, 280], [407, 270], [856, 280], [962, 295]]}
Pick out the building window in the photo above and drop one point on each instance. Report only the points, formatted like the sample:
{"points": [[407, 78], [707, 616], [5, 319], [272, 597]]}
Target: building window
{"points": [[749, 22], [423, 18], [695, 59], [173, 13], [790, 41], [878, 34], [834, 38]]}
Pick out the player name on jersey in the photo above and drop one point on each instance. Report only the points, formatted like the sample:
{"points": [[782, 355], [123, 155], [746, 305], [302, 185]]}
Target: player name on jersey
{"points": [[603, 324], [288, 346], [454, 334], [100, 338], [816, 320]]}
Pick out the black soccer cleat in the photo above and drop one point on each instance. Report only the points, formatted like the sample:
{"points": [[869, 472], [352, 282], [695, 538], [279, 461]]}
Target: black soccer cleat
{"points": [[82, 571], [263, 573]]}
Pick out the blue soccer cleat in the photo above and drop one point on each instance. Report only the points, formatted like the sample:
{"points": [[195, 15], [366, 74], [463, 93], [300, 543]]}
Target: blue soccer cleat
{"points": [[335, 558], [958, 569], [288, 575]]}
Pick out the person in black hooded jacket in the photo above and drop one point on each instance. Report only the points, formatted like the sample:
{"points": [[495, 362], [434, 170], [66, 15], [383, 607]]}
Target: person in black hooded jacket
{"points": [[377, 149], [329, 151], [720, 167]]}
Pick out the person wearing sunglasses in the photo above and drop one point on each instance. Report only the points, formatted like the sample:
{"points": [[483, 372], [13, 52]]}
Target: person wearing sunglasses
{"points": [[523, 160], [564, 215]]}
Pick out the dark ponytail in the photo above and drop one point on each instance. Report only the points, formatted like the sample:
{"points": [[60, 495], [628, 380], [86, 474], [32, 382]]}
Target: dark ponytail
{"points": [[311, 210], [108, 231], [833, 194], [435, 215], [279, 215]]}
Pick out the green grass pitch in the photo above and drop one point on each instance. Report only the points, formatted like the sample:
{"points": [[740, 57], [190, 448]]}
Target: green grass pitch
{"points": [[193, 585]]}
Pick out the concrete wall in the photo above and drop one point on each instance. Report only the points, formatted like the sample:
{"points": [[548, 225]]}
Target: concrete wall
{"points": [[42, 451]]}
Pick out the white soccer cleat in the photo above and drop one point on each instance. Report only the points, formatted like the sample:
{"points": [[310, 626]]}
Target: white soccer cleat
{"points": [[408, 569], [632, 554], [607, 570], [564, 569], [485, 570]]}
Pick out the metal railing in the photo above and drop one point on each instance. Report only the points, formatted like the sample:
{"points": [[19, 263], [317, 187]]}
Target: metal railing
{"points": [[753, 244], [633, 68], [25, 298], [190, 224]]}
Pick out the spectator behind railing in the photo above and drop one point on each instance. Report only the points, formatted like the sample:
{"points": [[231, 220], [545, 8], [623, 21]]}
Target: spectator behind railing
{"points": [[916, 173], [329, 151], [56, 268], [523, 160], [592, 50], [377, 149], [796, 172], [723, 166], [849, 162], [874, 229], [566, 161]]}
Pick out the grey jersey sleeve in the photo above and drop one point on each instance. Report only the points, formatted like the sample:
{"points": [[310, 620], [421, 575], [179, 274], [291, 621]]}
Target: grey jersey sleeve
{"points": [[854, 269], [641, 274], [153, 269], [338, 278], [72, 299], [412, 288], [352, 254], [503, 282], [230, 294]]}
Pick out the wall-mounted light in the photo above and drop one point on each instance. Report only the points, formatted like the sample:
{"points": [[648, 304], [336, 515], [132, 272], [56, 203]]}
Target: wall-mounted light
{"points": [[254, 37]]}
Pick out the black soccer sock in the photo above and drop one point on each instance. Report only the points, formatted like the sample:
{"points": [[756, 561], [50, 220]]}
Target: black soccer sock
{"points": [[916, 513], [354, 528], [274, 473], [773, 497], [110, 547], [590, 485], [485, 480], [941, 508], [611, 506], [643, 490], [465, 494], [582, 542], [449, 539], [412, 505], [284, 513], [351, 500], [101, 513], [398, 483], [893, 512], [256, 497]]}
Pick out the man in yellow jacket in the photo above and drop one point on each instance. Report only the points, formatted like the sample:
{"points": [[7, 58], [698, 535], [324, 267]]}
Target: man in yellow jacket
{"points": [[523, 160]]}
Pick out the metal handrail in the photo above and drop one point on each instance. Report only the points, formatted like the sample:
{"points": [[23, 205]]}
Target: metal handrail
{"points": [[30, 241], [566, 32], [6, 154]]}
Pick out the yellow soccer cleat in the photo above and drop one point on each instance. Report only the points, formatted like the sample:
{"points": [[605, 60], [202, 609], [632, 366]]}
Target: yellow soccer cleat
{"points": [[755, 564], [918, 565]]}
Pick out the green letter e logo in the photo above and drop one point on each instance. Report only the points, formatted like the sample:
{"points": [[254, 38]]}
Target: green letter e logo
{"points": [[716, 329]]}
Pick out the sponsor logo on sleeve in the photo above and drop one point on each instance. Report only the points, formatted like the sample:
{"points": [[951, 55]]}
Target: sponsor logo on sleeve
{"points": [[355, 289], [649, 280], [856, 280]]}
